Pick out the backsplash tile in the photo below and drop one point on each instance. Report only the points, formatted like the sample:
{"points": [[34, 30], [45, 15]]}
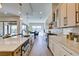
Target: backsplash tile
{"points": [[72, 29], [65, 31], [56, 31]]}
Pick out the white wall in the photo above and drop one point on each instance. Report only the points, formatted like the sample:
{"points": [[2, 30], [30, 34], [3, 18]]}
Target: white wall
{"points": [[24, 19], [35, 21]]}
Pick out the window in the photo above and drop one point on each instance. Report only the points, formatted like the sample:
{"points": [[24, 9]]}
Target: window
{"points": [[8, 27], [36, 28], [1, 28], [5, 28], [13, 29]]}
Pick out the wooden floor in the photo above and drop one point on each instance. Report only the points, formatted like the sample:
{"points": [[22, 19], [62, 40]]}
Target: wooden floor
{"points": [[40, 48]]}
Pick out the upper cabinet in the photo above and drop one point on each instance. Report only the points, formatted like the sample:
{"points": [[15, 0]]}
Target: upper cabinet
{"points": [[56, 17], [63, 15], [71, 14], [77, 14], [67, 14]]}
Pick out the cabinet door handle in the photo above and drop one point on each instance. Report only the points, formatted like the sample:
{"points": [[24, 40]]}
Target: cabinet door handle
{"points": [[65, 21], [77, 16]]}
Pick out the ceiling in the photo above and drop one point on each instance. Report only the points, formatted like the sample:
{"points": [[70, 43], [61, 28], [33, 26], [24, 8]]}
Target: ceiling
{"points": [[30, 10]]}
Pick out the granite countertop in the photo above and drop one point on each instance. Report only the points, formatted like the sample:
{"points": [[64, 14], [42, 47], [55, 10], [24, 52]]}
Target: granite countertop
{"points": [[12, 43]]}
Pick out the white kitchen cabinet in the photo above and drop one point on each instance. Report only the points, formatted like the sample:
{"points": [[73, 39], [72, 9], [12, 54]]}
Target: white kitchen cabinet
{"points": [[58, 11], [77, 13], [71, 14], [67, 14], [56, 50], [65, 52], [60, 15], [51, 44], [59, 49], [63, 15]]}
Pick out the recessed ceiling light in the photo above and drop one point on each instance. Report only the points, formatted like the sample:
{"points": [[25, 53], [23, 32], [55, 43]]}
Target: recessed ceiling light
{"points": [[21, 18], [40, 12], [19, 12], [0, 5]]}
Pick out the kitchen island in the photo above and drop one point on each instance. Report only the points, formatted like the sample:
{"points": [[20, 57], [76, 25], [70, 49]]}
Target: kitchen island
{"points": [[12, 46]]}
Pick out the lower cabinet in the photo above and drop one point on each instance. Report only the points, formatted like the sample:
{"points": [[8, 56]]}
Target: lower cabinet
{"points": [[60, 50], [65, 53], [17, 52], [57, 50]]}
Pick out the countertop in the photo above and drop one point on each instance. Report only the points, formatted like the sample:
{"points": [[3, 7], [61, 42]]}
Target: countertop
{"points": [[12, 43], [70, 44], [51, 34]]}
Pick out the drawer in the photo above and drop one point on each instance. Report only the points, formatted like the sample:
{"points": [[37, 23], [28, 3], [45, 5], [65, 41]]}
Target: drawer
{"points": [[66, 53], [70, 51]]}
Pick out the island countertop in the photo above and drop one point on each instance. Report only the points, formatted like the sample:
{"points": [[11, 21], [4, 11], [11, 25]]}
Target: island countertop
{"points": [[12, 43]]}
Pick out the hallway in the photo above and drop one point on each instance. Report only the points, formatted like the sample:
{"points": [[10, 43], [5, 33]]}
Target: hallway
{"points": [[40, 48]]}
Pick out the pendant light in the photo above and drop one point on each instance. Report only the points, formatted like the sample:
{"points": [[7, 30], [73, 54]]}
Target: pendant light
{"points": [[20, 11], [20, 8]]}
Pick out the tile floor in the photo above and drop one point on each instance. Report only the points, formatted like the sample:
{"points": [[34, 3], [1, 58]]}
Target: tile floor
{"points": [[40, 48]]}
